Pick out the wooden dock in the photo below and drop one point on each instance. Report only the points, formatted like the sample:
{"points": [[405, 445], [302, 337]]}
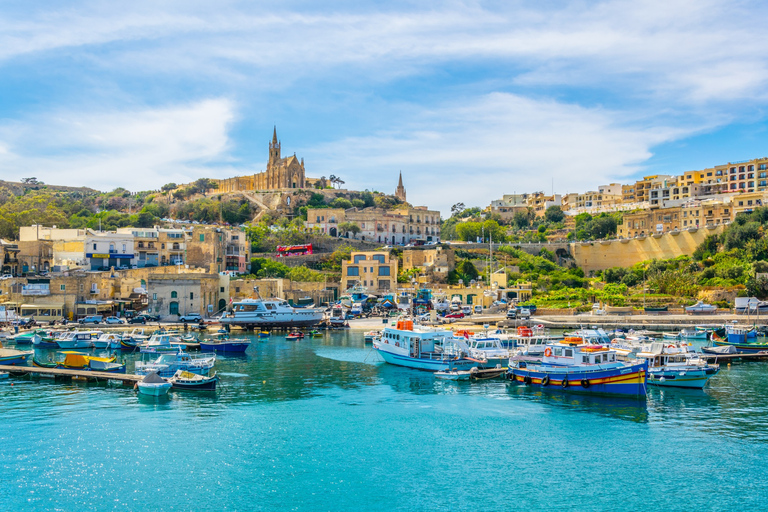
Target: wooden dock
{"points": [[125, 378]]}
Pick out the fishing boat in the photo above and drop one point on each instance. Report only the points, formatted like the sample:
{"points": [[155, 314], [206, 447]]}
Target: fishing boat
{"points": [[369, 336], [670, 335], [27, 338], [263, 334], [740, 342], [129, 344], [488, 352], [77, 339], [421, 348], [582, 368], [595, 335], [452, 374], [261, 313], [160, 342], [10, 356], [676, 366], [693, 334], [221, 342], [153, 385], [338, 316], [47, 341], [4, 375], [193, 382], [79, 361], [529, 341], [167, 364]]}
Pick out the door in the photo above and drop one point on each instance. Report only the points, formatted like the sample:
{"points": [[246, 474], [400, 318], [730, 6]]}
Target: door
{"points": [[174, 308]]}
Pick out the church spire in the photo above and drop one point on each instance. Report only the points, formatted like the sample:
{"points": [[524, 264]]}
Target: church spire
{"points": [[274, 149], [400, 190], [274, 135]]}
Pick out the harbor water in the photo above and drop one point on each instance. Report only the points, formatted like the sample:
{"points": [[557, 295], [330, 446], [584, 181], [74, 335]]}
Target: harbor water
{"points": [[323, 424]]}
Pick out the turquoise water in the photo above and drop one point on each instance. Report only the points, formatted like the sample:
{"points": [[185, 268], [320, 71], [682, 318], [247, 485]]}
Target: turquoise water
{"points": [[322, 424]]}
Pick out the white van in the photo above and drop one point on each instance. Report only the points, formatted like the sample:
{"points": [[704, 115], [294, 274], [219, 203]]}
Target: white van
{"points": [[478, 309], [467, 310]]}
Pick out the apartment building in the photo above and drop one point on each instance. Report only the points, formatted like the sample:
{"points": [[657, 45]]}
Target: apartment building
{"points": [[374, 270], [400, 226]]}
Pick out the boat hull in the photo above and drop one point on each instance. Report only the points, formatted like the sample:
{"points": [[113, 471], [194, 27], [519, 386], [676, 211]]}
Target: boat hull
{"points": [[232, 348], [744, 348], [207, 385], [431, 365], [629, 380], [12, 357], [691, 379], [154, 389]]}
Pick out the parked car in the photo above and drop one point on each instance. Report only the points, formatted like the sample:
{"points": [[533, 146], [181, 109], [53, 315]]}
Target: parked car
{"points": [[458, 314], [151, 318], [477, 308], [6, 276], [511, 314], [92, 319], [191, 317], [141, 319], [524, 313], [113, 320]]}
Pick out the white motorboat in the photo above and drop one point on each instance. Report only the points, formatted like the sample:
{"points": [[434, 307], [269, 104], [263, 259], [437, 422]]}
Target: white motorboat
{"points": [[108, 340], [267, 313], [168, 364], [77, 339], [701, 308], [153, 385]]}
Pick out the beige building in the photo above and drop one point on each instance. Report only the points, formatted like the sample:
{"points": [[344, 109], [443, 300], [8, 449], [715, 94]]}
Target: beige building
{"points": [[508, 206], [693, 214], [171, 295], [374, 270], [435, 262], [281, 173], [399, 226]]}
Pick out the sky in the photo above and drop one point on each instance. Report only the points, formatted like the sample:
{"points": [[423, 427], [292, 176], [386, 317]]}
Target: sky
{"points": [[469, 99]]}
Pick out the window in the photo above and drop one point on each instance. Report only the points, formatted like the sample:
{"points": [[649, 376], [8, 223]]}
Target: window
{"points": [[353, 271], [154, 296], [191, 295], [202, 237], [379, 258], [221, 289], [358, 258], [174, 295], [384, 271], [237, 289], [63, 287], [94, 247]]}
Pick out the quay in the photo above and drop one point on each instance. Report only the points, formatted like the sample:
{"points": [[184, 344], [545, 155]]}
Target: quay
{"points": [[125, 378]]}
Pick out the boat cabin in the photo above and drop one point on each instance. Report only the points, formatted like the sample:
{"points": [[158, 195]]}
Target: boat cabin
{"points": [[561, 354], [419, 343]]}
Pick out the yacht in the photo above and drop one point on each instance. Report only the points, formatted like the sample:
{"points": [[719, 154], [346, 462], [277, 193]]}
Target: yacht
{"points": [[77, 339], [267, 313]]}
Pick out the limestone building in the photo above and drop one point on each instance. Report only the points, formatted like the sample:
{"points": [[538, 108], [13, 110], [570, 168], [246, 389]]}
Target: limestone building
{"points": [[281, 173], [374, 270]]}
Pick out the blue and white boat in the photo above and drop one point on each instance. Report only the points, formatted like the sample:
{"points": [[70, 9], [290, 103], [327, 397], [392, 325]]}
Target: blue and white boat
{"points": [[594, 336], [9, 356], [421, 348], [166, 365], [582, 368], [676, 366]]}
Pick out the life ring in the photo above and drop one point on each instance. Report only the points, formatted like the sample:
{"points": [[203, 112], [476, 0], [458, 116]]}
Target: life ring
{"points": [[527, 379], [670, 346], [540, 326], [584, 383], [548, 352], [397, 344], [545, 380], [565, 383]]}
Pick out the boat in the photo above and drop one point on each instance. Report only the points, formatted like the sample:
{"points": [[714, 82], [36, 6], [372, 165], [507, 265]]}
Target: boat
{"points": [[270, 313], [47, 341], [676, 366], [316, 334], [4, 375], [295, 335], [27, 338], [421, 348], [79, 361], [10, 356], [740, 342], [193, 382], [369, 336], [453, 374], [701, 308], [671, 335], [221, 342], [488, 352], [528, 341], [153, 385], [595, 335], [167, 364], [263, 334], [108, 340], [338, 316], [582, 368], [77, 339], [160, 342], [129, 344], [693, 334]]}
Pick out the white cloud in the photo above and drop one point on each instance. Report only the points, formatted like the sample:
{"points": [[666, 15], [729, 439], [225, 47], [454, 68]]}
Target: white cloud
{"points": [[498, 144], [137, 149]]}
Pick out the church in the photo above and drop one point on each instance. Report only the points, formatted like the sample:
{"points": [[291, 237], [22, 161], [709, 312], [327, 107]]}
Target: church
{"points": [[281, 173]]}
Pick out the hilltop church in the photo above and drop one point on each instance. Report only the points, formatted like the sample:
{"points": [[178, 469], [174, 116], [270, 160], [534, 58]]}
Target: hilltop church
{"points": [[281, 173]]}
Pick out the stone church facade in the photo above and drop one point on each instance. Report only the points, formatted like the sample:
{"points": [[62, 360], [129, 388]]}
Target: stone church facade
{"points": [[281, 173]]}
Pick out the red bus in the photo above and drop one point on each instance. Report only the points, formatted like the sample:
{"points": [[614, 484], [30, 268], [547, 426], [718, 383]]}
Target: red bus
{"points": [[293, 250]]}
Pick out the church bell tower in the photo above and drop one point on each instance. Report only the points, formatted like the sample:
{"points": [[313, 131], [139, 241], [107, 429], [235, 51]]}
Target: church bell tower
{"points": [[274, 149], [400, 190]]}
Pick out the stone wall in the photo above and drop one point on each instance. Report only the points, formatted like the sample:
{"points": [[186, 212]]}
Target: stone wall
{"points": [[594, 256]]}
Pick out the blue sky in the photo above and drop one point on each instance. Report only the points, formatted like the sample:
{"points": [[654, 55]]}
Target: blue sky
{"points": [[470, 100]]}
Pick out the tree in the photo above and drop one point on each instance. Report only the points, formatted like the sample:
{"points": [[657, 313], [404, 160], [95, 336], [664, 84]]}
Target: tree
{"points": [[349, 227], [168, 187], [31, 181], [457, 208], [554, 214]]}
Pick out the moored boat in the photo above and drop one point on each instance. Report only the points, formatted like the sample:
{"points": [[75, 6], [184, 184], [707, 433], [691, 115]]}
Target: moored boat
{"points": [[421, 348], [296, 335], [369, 336], [108, 340], [79, 361], [12, 356], [193, 382], [676, 366], [168, 364], [740, 342], [153, 385], [701, 308], [261, 313], [77, 339], [582, 368], [221, 342]]}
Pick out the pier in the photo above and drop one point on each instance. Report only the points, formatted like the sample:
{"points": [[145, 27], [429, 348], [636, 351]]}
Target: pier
{"points": [[125, 378]]}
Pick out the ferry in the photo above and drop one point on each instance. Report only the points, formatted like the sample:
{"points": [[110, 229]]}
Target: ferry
{"points": [[420, 348], [582, 368], [267, 313]]}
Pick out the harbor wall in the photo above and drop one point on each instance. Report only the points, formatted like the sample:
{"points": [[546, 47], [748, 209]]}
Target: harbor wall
{"points": [[594, 256]]}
